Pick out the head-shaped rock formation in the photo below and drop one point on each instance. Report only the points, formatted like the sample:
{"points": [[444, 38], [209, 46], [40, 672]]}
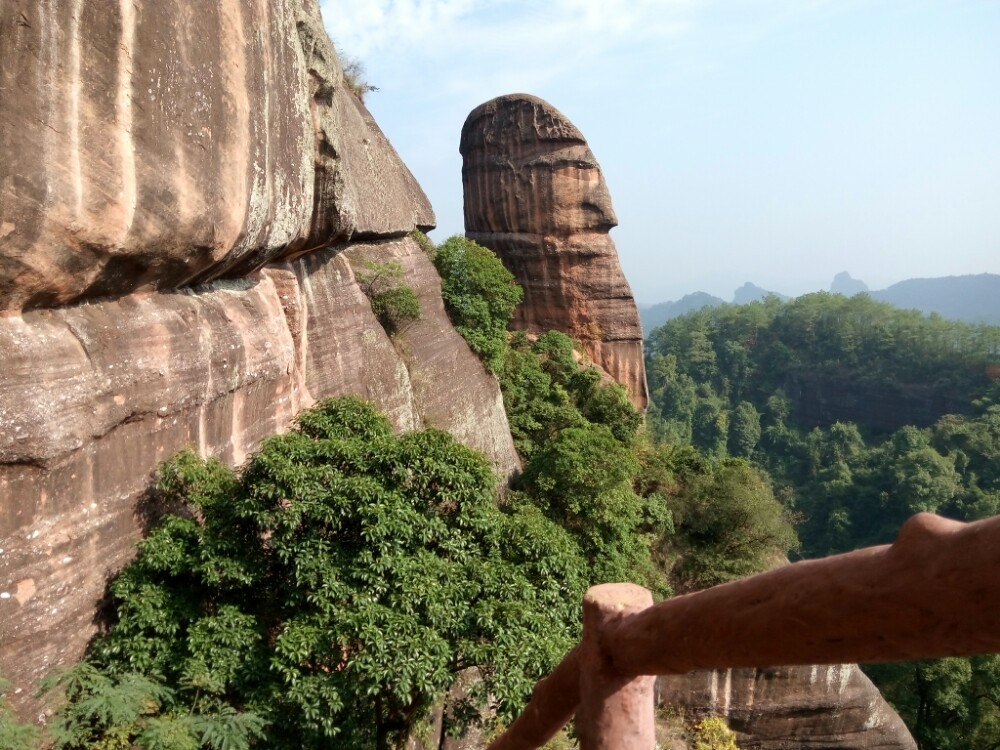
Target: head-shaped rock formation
{"points": [[535, 195]]}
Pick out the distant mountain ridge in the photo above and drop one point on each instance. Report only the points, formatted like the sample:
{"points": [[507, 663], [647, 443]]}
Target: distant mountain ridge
{"points": [[973, 298]]}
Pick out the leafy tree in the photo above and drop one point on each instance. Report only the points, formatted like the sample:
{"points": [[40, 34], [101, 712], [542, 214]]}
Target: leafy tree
{"points": [[868, 414], [728, 525], [744, 430], [131, 710], [546, 390], [480, 296], [334, 589], [582, 480], [394, 303], [949, 704]]}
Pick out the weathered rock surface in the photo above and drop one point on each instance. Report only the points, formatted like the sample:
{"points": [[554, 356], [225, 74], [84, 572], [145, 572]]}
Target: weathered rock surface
{"points": [[820, 707], [152, 144], [535, 195], [93, 396]]}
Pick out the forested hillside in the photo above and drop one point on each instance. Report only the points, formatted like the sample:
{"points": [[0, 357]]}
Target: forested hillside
{"points": [[862, 415]]}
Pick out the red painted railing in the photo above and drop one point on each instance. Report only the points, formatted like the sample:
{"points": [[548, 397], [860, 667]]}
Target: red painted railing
{"points": [[935, 592]]}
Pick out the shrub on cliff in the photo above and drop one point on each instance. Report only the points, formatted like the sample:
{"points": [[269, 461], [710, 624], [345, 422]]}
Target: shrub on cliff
{"points": [[355, 75], [394, 303], [582, 480], [480, 296], [339, 584], [711, 733]]}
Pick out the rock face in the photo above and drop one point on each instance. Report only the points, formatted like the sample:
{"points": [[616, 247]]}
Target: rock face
{"points": [[186, 191], [153, 144], [535, 195], [819, 707]]}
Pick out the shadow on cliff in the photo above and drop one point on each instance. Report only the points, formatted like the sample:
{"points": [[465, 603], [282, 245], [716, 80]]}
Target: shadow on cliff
{"points": [[150, 508]]}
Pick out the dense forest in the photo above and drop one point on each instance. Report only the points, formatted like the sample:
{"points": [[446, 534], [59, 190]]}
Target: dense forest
{"points": [[338, 586], [861, 415]]}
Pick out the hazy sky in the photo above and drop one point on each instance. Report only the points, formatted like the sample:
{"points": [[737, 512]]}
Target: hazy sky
{"points": [[773, 141]]}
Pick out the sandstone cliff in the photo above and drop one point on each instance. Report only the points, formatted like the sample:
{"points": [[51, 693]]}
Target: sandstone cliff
{"points": [[816, 708], [535, 195], [154, 156]]}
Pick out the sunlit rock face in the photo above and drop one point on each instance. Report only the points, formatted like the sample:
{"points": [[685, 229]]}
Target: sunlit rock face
{"points": [[828, 707], [186, 192], [152, 144], [535, 195]]}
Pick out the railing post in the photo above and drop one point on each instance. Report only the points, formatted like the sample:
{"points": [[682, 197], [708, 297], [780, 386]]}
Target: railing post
{"points": [[615, 711]]}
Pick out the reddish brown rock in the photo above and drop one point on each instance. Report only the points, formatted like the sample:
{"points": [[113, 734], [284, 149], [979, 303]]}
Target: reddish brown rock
{"points": [[152, 144], [535, 195], [94, 396], [833, 707]]}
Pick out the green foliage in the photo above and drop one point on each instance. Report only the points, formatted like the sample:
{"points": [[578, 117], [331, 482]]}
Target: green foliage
{"points": [[331, 592], [744, 430], [13, 734], [394, 303], [582, 480], [866, 415], [546, 390], [712, 733], [898, 366], [424, 242], [125, 710], [480, 296], [948, 704], [725, 522]]}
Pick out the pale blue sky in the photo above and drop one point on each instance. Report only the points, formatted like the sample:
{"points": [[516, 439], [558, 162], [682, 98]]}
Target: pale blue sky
{"points": [[773, 141]]}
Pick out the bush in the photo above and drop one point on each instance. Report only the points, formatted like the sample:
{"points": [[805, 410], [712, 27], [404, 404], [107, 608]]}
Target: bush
{"points": [[712, 734], [355, 75], [480, 296], [335, 589], [424, 242], [394, 303], [728, 525]]}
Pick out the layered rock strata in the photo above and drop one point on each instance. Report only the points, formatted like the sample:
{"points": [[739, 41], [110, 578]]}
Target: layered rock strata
{"points": [[535, 195], [186, 191], [833, 707]]}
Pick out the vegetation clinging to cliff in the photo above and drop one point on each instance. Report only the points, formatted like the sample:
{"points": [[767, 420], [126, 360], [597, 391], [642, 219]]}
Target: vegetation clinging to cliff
{"points": [[640, 510], [393, 301], [480, 296]]}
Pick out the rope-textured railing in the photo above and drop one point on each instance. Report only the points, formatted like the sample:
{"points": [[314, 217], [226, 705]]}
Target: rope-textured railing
{"points": [[935, 592]]}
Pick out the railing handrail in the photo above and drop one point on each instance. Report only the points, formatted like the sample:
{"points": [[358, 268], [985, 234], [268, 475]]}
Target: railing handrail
{"points": [[933, 593]]}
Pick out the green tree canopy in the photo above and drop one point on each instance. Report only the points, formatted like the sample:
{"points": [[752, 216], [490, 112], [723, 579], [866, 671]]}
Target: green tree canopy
{"points": [[480, 296], [339, 584]]}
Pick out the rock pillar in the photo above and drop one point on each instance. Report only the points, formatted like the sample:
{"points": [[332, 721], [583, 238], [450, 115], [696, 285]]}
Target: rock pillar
{"points": [[535, 195]]}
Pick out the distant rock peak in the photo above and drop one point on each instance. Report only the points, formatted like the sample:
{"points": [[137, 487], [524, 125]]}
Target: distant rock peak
{"points": [[535, 195], [844, 283]]}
